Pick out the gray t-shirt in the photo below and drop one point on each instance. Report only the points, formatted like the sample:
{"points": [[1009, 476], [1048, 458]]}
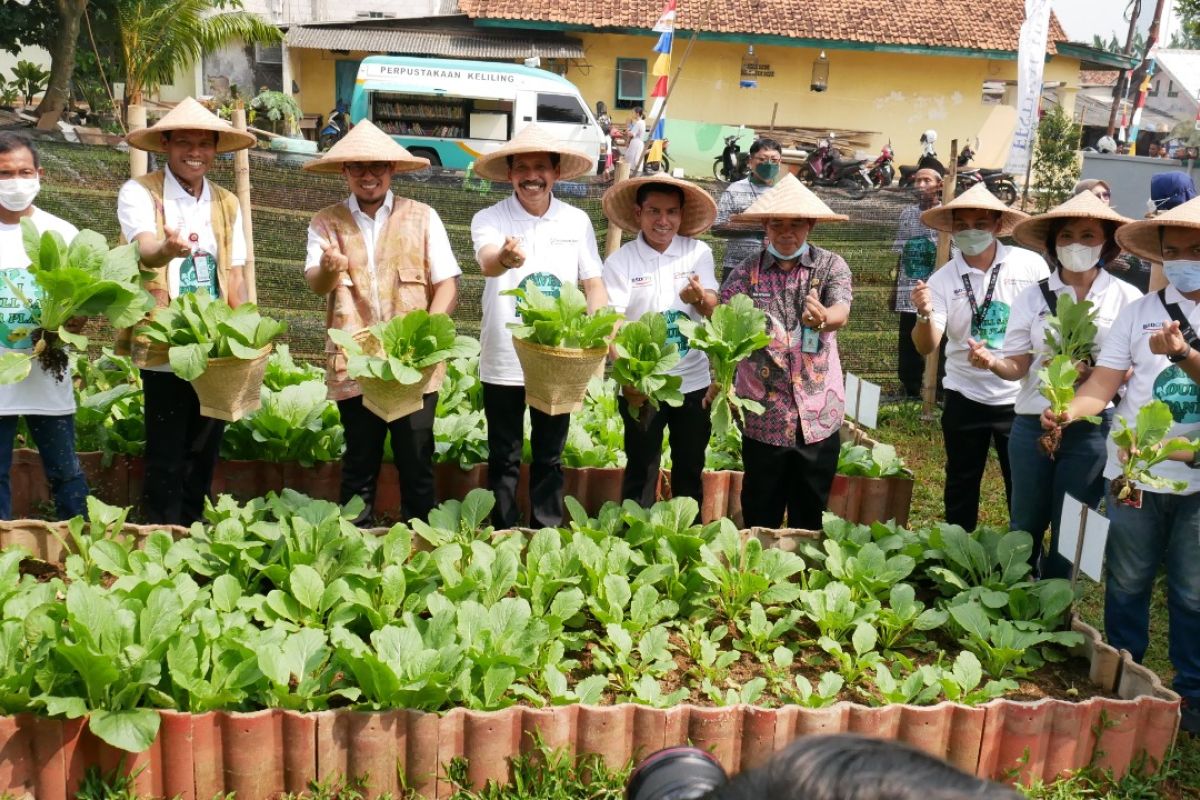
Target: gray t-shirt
{"points": [[739, 196]]}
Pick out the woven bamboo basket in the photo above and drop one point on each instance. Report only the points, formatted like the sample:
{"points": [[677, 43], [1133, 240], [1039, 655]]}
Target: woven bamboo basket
{"points": [[390, 400], [556, 378], [229, 388]]}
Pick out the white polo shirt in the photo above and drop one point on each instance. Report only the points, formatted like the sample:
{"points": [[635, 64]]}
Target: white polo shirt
{"points": [[952, 313], [641, 279], [1154, 378], [559, 246], [39, 393], [442, 263], [1027, 328]]}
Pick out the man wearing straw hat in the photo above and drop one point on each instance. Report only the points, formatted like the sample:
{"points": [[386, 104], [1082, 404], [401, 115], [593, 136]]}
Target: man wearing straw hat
{"points": [[664, 271], [790, 450], [969, 301], [375, 256], [189, 235], [529, 238], [1155, 337]]}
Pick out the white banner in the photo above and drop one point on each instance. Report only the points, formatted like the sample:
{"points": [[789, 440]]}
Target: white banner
{"points": [[1031, 61]]}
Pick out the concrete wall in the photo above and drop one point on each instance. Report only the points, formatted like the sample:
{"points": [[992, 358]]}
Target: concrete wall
{"points": [[1129, 178]]}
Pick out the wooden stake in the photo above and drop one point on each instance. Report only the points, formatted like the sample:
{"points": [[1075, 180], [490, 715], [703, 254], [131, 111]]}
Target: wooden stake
{"points": [[138, 159], [929, 382], [612, 239], [774, 111], [241, 181]]}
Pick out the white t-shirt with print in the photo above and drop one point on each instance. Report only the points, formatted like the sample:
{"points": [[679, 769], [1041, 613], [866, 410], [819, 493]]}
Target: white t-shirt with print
{"points": [[952, 313], [1154, 378], [1027, 328], [559, 247], [640, 279], [40, 393]]}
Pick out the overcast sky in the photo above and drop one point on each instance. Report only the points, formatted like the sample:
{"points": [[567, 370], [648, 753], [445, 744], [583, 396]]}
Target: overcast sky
{"points": [[1084, 18]]}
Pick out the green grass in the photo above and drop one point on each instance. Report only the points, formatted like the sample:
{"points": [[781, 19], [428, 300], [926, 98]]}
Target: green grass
{"points": [[919, 441]]}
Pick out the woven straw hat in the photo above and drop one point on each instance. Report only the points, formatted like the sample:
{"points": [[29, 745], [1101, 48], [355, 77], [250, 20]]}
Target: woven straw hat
{"points": [[365, 142], [977, 197], [1142, 237], [699, 209], [189, 115], [533, 139], [1032, 232], [788, 199]]}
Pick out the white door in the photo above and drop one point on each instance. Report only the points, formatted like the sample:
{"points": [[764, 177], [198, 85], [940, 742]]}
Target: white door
{"points": [[565, 116]]}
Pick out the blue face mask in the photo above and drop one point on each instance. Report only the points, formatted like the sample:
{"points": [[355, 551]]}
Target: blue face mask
{"points": [[1184, 275], [781, 257]]}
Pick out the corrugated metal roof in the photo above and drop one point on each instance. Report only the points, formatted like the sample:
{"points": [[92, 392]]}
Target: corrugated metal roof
{"points": [[452, 44]]}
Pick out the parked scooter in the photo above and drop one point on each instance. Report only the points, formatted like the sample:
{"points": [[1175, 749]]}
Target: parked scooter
{"points": [[997, 181], [732, 165], [335, 128], [928, 159], [883, 171], [825, 167]]}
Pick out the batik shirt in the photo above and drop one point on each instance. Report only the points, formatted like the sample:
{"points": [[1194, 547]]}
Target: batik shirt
{"points": [[803, 395]]}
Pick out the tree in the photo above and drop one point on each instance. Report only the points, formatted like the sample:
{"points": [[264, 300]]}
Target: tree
{"points": [[158, 37], [1055, 158], [54, 26]]}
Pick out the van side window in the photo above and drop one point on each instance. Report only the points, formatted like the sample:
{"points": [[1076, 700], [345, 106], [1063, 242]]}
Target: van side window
{"points": [[560, 108]]}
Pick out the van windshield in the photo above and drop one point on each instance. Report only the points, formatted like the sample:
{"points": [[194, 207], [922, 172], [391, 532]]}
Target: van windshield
{"points": [[560, 108]]}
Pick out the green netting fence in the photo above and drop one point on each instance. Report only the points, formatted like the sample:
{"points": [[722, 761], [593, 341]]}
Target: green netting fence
{"points": [[82, 181]]}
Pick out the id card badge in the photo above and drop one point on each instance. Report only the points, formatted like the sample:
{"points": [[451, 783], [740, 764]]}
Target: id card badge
{"points": [[810, 341], [200, 260]]}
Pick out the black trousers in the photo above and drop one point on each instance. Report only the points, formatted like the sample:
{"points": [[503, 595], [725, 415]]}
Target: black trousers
{"points": [[911, 364], [181, 451], [412, 447], [690, 424], [970, 429], [504, 407], [795, 480]]}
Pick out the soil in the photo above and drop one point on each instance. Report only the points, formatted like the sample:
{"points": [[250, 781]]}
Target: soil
{"points": [[1049, 441], [53, 356], [42, 571]]}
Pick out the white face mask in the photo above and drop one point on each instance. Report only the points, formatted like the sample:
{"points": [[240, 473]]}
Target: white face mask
{"points": [[1183, 274], [1078, 257], [17, 194], [973, 242]]}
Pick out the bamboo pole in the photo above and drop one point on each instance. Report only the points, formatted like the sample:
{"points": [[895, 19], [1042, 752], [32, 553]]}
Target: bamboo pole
{"points": [[929, 381], [612, 239], [241, 181], [637, 168], [138, 159], [774, 111]]}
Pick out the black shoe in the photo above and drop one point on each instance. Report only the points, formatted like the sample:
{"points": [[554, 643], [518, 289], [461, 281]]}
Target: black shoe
{"points": [[1190, 721]]}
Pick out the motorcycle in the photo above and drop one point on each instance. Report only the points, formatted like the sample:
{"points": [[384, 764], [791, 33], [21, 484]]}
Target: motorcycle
{"points": [[928, 159], [825, 167], [335, 128], [883, 172], [664, 165], [732, 165], [997, 181]]}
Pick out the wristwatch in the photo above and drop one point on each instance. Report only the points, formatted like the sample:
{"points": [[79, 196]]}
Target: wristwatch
{"points": [[1176, 358], [924, 319]]}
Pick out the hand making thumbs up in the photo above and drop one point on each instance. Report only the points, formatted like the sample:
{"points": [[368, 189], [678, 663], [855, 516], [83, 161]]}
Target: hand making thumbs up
{"points": [[333, 259]]}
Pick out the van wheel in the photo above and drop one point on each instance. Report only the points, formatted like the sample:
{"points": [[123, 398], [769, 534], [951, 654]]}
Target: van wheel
{"points": [[435, 162]]}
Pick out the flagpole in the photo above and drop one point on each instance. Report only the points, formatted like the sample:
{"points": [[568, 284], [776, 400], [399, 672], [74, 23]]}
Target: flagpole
{"points": [[670, 88]]}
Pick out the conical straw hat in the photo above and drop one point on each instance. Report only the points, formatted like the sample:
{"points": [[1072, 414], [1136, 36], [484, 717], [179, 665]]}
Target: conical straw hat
{"points": [[1142, 237], [978, 197], [533, 139], [189, 115], [788, 199], [365, 142], [699, 209], [1032, 232]]}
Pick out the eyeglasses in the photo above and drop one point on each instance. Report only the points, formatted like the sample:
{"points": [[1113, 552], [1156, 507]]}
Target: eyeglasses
{"points": [[359, 168], [767, 160]]}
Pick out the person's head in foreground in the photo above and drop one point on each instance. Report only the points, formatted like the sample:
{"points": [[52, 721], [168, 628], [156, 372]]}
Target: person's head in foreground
{"points": [[1173, 239]]}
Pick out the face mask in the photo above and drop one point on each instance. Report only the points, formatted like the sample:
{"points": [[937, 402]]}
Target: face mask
{"points": [[973, 242], [1183, 275], [766, 172], [1078, 257], [780, 256], [16, 194]]}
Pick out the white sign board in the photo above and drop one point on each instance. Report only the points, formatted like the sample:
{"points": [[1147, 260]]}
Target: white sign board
{"points": [[862, 401], [1031, 62], [1094, 529]]}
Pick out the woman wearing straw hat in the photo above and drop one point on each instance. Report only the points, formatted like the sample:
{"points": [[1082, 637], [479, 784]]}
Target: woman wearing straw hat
{"points": [[969, 300], [1155, 337], [529, 238], [1076, 238], [375, 256], [665, 271], [189, 235], [790, 451]]}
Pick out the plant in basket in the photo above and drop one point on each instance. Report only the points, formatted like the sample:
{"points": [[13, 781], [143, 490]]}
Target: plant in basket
{"points": [[394, 361], [1144, 446], [644, 356], [82, 279]]}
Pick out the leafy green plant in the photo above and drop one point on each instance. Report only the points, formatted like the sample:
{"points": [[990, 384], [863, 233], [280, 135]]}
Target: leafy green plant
{"points": [[283, 370], [109, 416], [29, 78], [10, 93], [561, 321], [740, 572], [278, 108], [296, 423], [596, 435], [195, 328], [878, 461], [1058, 378], [1071, 330], [408, 344], [1055, 158], [1002, 646], [1146, 445], [460, 439], [725, 451], [82, 279], [734, 331], [644, 357], [801, 692]]}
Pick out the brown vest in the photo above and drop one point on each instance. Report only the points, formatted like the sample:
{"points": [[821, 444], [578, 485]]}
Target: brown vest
{"points": [[400, 283], [224, 206]]}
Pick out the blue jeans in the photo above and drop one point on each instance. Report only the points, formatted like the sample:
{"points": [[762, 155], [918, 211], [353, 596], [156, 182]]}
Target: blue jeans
{"points": [[1040, 483], [1166, 527], [55, 440]]}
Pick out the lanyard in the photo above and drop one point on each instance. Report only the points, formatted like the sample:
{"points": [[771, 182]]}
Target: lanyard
{"points": [[1176, 313], [979, 312]]}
